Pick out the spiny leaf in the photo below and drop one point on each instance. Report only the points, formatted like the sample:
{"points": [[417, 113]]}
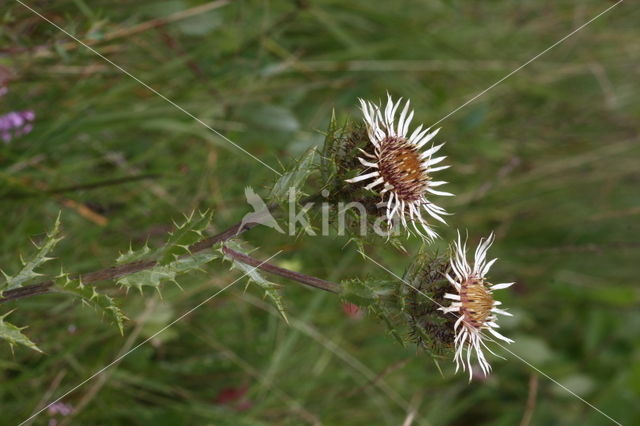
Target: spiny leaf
{"points": [[151, 277], [27, 273], [293, 179], [13, 335], [270, 289], [194, 262], [327, 165], [133, 255], [159, 274], [185, 234], [91, 297], [365, 293]]}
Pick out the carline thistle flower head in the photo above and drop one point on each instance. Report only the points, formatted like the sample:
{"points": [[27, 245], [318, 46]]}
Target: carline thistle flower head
{"points": [[400, 167], [474, 304]]}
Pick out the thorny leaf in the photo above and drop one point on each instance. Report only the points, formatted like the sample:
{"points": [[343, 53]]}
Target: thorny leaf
{"points": [[185, 234], [327, 165], [91, 297], [13, 335], [188, 232], [270, 289], [133, 255], [27, 273], [365, 293], [294, 179], [159, 274]]}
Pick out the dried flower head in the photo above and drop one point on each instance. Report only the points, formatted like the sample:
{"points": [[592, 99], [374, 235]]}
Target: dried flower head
{"points": [[474, 304], [399, 167]]}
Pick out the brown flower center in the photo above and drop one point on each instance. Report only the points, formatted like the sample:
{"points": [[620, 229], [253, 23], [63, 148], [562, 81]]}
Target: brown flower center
{"points": [[477, 302], [401, 167]]}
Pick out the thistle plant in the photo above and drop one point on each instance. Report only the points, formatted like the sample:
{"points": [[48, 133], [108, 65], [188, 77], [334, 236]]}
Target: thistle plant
{"points": [[375, 164]]}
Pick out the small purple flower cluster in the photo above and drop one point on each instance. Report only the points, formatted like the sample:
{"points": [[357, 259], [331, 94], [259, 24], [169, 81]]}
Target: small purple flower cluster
{"points": [[16, 123], [59, 408]]}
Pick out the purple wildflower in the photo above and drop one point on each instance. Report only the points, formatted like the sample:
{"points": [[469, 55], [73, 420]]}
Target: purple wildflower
{"points": [[60, 408], [17, 123]]}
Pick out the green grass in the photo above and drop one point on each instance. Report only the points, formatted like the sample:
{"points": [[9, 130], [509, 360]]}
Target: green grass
{"points": [[548, 159]]}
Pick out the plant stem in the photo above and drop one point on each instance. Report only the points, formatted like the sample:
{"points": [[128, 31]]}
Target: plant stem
{"points": [[125, 269], [133, 267], [308, 280]]}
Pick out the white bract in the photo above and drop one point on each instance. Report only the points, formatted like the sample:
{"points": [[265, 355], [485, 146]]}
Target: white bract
{"points": [[474, 304]]}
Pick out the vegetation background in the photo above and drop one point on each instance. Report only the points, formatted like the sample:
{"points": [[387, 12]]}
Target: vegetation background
{"points": [[549, 159]]}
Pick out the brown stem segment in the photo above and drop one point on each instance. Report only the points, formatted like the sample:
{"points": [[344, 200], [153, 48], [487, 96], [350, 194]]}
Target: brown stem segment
{"points": [[127, 268], [309, 280], [133, 267]]}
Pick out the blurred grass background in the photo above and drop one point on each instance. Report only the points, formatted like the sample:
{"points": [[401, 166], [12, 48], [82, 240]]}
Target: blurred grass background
{"points": [[549, 159]]}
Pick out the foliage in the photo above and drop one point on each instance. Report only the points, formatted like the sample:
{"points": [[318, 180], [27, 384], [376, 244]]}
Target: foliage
{"points": [[28, 273], [13, 335], [131, 255], [158, 274], [174, 258], [366, 293], [9, 332], [91, 297], [293, 179], [254, 276], [409, 307], [187, 233]]}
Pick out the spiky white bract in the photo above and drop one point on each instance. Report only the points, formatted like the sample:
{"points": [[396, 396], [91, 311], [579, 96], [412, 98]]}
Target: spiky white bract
{"points": [[474, 304], [398, 167]]}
